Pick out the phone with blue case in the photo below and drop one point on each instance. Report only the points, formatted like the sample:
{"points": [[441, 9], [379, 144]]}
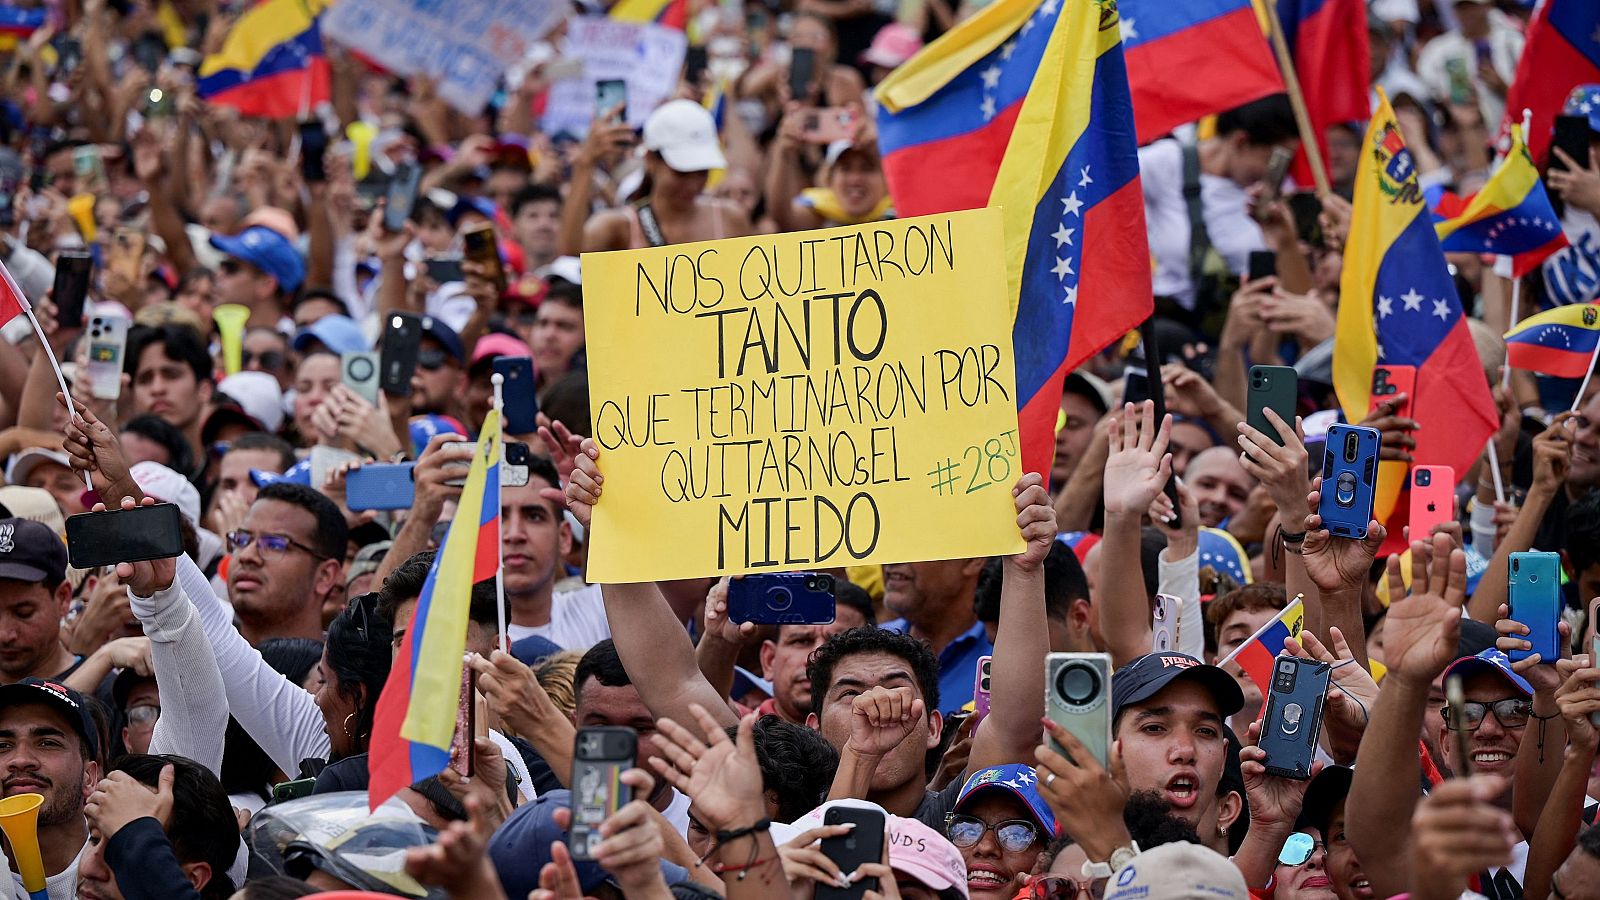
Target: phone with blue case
{"points": [[519, 394], [782, 598], [381, 486], [1349, 480], [1293, 717], [1534, 596]]}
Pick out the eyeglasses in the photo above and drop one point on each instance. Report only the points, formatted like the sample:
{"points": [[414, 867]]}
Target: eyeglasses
{"points": [[143, 714], [1014, 835], [1512, 712], [1060, 887], [1299, 849], [432, 359], [269, 360], [273, 546]]}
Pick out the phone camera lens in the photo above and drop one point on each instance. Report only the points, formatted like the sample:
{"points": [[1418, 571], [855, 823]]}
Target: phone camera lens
{"points": [[1351, 444], [1424, 478], [1077, 684], [780, 599]]}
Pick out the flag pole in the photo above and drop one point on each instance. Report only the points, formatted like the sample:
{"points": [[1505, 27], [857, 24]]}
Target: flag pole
{"points": [[499, 381], [1297, 100], [44, 344], [1299, 600], [1593, 359]]}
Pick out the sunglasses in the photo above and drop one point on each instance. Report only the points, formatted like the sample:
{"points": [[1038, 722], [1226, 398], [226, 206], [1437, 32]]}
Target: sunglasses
{"points": [[1014, 835], [1060, 887], [1510, 713], [432, 359], [1299, 849], [268, 360], [143, 714]]}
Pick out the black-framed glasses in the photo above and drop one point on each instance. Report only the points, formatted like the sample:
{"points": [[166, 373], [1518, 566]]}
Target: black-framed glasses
{"points": [[272, 545], [432, 359], [1061, 887], [1015, 835], [1512, 712], [1298, 849]]}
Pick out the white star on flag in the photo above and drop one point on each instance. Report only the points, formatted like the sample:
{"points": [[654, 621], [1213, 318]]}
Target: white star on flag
{"points": [[1009, 48], [1412, 299], [1071, 204], [991, 78], [1063, 235], [988, 108], [1072, 295], [1441, 308], [1062, 268], [1129, 32], [1084, 180], [1027, 25], [1048, 7], [1385, 307]]}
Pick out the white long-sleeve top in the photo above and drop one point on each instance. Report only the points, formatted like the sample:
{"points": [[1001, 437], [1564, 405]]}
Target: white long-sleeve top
{"points": [[1181, 579], [279, 714], [194, 706]]}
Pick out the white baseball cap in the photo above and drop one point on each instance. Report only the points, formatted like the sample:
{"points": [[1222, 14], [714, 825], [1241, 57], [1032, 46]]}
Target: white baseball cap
{"points": [[685, 135], [167, 486]]}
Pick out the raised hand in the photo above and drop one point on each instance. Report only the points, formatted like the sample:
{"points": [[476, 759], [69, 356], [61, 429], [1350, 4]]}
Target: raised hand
{"points": [[803, 858], [1139, 464], [1540, 673], [1420, 633], [721, 776], [1183, 538], [1087, 798], [120, 798], [1397, 442], [1352, 693], [1578, 699], [1274, 801], [1458, 831], [632, 847], [1334, 562], [1036, 519], [881, 718], [584, 485], [147, 577], [717, 620], [94, 448], [1281, 469], [1552, 455], [459, 860]]}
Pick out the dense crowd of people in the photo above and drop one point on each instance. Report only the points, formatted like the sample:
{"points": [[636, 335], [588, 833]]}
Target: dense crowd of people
{"points": [[199, 726]]}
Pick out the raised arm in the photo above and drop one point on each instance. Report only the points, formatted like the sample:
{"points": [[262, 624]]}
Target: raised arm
{"points": [[1562, 818], [1134, 474], [1552, 454]]}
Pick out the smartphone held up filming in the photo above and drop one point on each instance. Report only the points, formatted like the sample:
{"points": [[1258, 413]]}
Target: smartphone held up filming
{"points": [[106, 538], [782, 598], [1349, 480], [1078, 698], [1293, 716], [850, 851], [1534, 595], [602, 754]]}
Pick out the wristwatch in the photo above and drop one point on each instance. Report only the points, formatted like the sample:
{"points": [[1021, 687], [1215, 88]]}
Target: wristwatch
{"points": [[1119, 858]]}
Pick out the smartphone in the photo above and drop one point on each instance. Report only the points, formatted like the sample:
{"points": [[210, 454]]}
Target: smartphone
{"points": [[1460, 80], [293, 790], [782, 598], [359, 371], [149, 49], [400, 197], [1387, 381], [444, 269], [381, 486], [73, 270], [802, 67], [1276, 388], [479, 246], [90, 168], [602, 754], [1135, 384], [611, 100], [829, 124], [518, 391], [1456, 696], [402, 340], [106, 538], [313, 153], [1535, 600], [126, 256], [1594, 654], [1432, 499], [1349, 480], [324, 460], [1272, 181], [1572, 136], [461, 758], [1261, 264], [69, 52], [1078, 698], [1293, 716], [981, 689], [108, 342], [514, 468], [1164, 623], [694, 64], [861, 844]]}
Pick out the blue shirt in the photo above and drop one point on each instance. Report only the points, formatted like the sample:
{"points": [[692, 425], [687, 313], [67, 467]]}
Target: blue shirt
{"points": [[958, 663]]}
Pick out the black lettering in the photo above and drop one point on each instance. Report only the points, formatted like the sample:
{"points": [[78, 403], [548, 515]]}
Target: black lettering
{"points": [[764, 280], [722, 346], [884, 252], [883, 326], [739, 525], [789, 529], [876, 524]]}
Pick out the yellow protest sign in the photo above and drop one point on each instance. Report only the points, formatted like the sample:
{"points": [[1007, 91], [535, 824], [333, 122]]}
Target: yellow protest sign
{"points": [[803, 401]]}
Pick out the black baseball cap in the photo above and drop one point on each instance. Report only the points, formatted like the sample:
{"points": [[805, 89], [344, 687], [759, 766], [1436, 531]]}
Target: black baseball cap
{"points": [[1323, 797], [31, 552], [65, 700], [1148, 675]]}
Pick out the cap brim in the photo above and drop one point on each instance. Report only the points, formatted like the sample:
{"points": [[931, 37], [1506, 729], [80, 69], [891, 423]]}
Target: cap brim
{"points": [[1218, 683], [17, 571], [1011, 791], [694, 158], [1469, 666], [1324, 795]]}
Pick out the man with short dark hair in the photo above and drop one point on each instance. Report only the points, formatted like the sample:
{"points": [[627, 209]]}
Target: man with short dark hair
{"points": [[606, 697], [536, 225], [441, 370], [1074, 628], [49, 745], [34, 595], [171, 373], [557, 338], [934, 600], [288, 561], [536, 539]]}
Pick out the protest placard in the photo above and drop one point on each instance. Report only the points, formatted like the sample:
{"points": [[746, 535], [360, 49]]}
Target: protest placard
{"points": [[466, 44], [803, 401], [648, 57]]}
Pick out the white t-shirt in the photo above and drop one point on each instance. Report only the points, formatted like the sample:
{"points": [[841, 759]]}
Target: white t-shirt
{"points": [[61, 886], [577, 620], [1224, 204]]}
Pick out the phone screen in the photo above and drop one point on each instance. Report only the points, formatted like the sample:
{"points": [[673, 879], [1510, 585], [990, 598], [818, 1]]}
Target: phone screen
{"points": [[124, 535], [611, 99], [313, 149], [802, 66]]}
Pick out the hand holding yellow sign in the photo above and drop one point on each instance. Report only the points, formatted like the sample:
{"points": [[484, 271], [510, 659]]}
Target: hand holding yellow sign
{"points": [[802, 401]]}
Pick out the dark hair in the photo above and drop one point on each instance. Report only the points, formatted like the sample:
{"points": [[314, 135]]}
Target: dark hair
{"points": [[331, 535], [1267, 121], [797, 765], [566, 400], [277, 887], [405, 583], [203, 827], [246, 768], [261, 440], [359, 660], [565, 293], [180, 456], [322, 293], [1583, 532], [1064, 582], [542, 467], [180, 343], [293, 658], [1589, 840], [848, 593], [1261, 595], [602, 663], [871, 639], [535, 193], [1151, 823]]}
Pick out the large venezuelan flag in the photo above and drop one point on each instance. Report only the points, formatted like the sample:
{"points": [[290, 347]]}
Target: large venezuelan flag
{"points": [[1193, 58], [1511, 215], [1255, 656], [1328, 41], [1025, 107], [18, 22], [1558, 341], [1398, 305], [416, 715], [1562, 52], [272, 63]]}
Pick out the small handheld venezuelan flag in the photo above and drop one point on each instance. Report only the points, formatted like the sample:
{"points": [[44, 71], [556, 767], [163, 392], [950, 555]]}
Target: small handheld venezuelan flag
{"points": [[1255, 655], [1510, 216], [416, 716], [1559, 342]]}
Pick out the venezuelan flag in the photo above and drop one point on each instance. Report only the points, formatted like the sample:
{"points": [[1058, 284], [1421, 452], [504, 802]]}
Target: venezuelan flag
{"points": [[1255, 655], [272, 63], [1511, 215], [1398, 305], [1558, 341], [1328, 42], [1025, 106], [1191, 59], [1562, 51], [18, 22], [671, 13], [416, 715]]}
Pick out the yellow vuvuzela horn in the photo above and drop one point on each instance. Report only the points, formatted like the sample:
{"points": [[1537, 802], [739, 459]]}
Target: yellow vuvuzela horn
{"points": [[230, 324], [19, 819]]}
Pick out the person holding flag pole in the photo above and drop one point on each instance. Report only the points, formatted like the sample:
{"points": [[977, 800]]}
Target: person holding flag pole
{"points": [[12, 302]]}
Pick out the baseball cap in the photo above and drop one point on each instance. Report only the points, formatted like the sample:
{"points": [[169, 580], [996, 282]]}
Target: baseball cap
{"points": [[299, 473], [1323, 796], [338, 333], [1019, 781], [1584, 101], [1489, 661], [520, 847], [267, 250], [685, 135], [914, 848], [496, 344], [258, 397], [65, 700], [18, 502], [892, 45], [533, 649], [23, 464], [1090, 387], [1150, 674], [446, 336], [424, 428], [465, 205], [30, 551], [1178, 871], [566, 268], [167, 486]]}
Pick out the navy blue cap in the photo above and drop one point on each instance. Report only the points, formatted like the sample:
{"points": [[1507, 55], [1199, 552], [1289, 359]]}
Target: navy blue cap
{"points": [[268, 251], [520, 847], [30, 551], [1148, 675], [65, 700], [446, 336], [466, 205], [533, 649]]}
